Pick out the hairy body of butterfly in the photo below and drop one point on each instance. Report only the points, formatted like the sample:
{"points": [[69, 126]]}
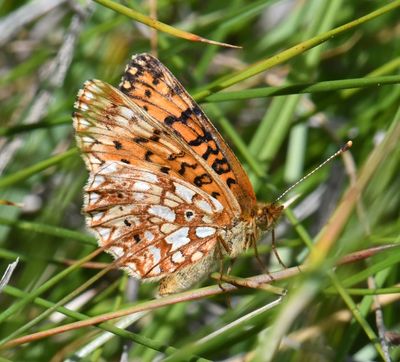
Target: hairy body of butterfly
{"points": [[166, 195]]}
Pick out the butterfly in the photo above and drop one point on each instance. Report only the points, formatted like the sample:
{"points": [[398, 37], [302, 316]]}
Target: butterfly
{"points": [[166, 196]]}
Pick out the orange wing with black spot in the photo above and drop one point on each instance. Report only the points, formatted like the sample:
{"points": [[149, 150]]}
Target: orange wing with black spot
{"points": [[153, 87]]}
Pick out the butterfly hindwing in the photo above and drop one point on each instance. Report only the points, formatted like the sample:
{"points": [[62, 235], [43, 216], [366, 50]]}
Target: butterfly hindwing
{"points": [[153, 224]]}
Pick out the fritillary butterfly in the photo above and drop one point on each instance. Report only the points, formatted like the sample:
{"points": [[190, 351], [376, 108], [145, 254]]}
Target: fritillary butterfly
{"points": [[165, 193]]}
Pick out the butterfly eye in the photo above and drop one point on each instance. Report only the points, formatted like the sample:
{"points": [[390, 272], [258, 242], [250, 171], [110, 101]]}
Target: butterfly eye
{"points": [[189, 215]]}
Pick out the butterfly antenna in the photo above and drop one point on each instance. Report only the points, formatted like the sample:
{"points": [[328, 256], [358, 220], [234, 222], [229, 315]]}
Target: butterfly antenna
{"points": [[339, 152]]}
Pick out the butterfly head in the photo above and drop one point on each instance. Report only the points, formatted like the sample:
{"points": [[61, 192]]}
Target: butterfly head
{"points": [[267, 215]]}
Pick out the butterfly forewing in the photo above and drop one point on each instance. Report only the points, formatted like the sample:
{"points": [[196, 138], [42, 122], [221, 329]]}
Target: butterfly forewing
{"points": [[152, 86]]}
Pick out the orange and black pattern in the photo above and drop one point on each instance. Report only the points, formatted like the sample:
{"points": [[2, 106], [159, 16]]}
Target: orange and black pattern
{"points": [[152, 86]]}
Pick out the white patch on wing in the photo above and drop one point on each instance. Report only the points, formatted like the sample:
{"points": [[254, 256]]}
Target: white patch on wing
{"points": [[170, 203], [149, 177], [184, 192], [93, 160], [121, 121], [88, 95], [126, 112], [141, 62], [138, 196], [152, 199], [97, 180], [117, 251], [168, 228], [132, 270], [141, 186], [178, 238], [156, 253], [204, 231], [87, 139], [87, 84], [148, 235], [104, 233], [178, 257], [196, 256], [132, 70], [110, 168], [84, 122], [204, 206], [162, 211], [173, 197], [141, 128], [98, 216], [218, 206], [82, 106], [93, 197], [156, 220]]}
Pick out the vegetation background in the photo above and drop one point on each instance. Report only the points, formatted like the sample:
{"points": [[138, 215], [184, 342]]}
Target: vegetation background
{"points": [[287, 127]]}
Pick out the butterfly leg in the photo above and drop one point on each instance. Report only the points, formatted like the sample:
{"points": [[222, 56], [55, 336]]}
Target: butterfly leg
{"points": [[221, 263], [253, 243], [231, 262], [221, 244], [240, 282], [275, 251]]}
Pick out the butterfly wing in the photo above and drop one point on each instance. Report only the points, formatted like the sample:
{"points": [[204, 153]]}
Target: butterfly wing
{"points": [[153, 87]]}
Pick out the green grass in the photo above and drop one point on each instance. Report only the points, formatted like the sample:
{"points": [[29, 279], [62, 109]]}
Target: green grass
{"points": [[309, 77]]}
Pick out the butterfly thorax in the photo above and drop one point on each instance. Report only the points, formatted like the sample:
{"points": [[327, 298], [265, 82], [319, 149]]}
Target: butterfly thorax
{"points": [[267, 214], [245, 231]]}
